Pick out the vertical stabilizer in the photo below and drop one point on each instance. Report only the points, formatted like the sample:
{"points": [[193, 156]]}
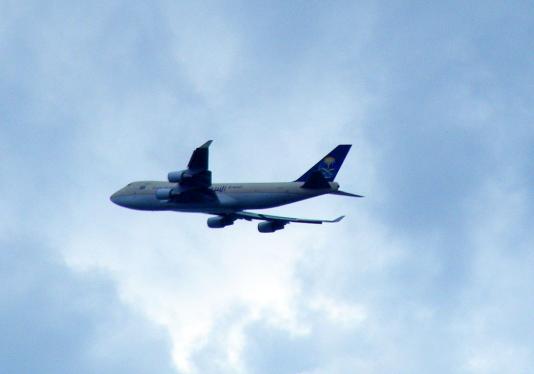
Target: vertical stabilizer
{"points": [[329, 165]]}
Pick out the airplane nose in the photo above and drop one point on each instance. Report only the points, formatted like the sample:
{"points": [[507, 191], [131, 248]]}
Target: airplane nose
{"points": [[114, 198], [123, 199]]}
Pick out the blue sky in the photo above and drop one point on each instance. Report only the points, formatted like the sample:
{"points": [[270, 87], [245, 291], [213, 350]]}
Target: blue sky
{"points": [[431, 272]]}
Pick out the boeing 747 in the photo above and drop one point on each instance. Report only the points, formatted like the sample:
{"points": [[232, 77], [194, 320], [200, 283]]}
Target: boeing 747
{"points": [[191, 190]]}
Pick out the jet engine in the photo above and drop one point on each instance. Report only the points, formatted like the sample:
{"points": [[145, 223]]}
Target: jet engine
{"points": [[271, 226], [163, 193], [219, 222], [178, 176]]}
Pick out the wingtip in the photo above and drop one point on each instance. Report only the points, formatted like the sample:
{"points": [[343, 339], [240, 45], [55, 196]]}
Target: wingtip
{"points": [[207, 144], [338, 219]]}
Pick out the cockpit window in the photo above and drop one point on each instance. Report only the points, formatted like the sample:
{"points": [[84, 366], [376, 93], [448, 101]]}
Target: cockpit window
{"points": [[142, 187]]}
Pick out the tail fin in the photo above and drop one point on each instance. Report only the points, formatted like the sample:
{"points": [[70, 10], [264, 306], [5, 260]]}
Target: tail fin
{"points": [[329, 164]]}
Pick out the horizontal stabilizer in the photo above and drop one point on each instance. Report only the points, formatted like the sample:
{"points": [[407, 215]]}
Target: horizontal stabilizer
{"points": [[343, 193]]}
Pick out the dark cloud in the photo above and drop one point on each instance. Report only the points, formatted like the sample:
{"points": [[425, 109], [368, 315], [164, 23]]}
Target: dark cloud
{"points": [[55, 321]]}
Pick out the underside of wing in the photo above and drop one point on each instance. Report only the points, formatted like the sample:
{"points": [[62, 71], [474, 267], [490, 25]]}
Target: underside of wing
{"points": [[192, 184], [270, 223], [200, 158], [197, 174], [266, 217]]}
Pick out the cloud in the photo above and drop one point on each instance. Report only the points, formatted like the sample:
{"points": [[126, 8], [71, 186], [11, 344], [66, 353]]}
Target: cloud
{"points": [[54, 320], [428, 273]]}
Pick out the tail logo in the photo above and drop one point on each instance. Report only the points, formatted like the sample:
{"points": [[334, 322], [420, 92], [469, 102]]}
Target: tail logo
{"points": [[327, 166]]}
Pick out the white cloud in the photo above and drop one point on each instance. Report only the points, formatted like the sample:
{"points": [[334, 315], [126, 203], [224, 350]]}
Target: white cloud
{"points": [[339, 312]]}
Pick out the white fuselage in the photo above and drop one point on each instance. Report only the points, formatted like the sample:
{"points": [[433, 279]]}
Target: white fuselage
{"points": [[222, 197]]}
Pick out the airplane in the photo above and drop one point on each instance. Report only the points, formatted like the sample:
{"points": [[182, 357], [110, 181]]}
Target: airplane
{"points": [[191, 190]]}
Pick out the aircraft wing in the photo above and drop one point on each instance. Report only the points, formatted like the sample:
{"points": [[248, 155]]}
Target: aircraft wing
{"points": [[278, 219], [199, 158], [197, 175]]}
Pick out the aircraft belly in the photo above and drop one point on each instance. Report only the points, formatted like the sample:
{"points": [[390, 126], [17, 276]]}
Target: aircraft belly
{"points": [[139, 202], [259, 200], [225, 202], [228, 202], [226, 199]]}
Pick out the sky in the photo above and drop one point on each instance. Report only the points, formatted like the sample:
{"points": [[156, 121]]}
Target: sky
{"points": [[430, 272]]}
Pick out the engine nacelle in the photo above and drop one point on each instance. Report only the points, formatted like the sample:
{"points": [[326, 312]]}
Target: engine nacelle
{"points": [[163, 193], [178, 176], [219, 222], [270, 226]]}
